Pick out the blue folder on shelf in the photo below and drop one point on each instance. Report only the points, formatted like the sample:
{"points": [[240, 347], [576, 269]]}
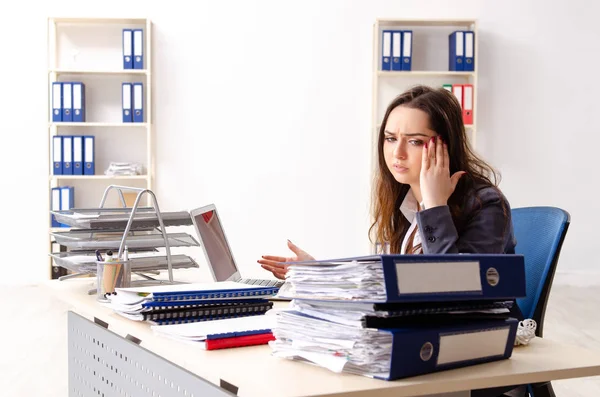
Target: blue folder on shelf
{"points": [[456, 51], [409, 278]]}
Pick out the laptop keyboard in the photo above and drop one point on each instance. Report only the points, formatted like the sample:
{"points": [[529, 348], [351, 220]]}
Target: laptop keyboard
{"points": [[262, 283]]}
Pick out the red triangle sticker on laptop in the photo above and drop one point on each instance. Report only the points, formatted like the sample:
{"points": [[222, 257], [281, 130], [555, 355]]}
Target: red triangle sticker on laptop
{"points": [[208, 216]]}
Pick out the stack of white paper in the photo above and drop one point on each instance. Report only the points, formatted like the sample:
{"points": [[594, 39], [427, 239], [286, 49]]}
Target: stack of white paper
{"points": [[338, 347], [331, 280]]}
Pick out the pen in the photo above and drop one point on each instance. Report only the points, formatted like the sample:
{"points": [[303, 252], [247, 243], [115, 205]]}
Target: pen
{"points": [[99, 256]]}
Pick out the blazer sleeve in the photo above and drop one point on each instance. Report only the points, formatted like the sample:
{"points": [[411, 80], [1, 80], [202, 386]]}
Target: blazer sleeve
{"points": [[485, 231]]}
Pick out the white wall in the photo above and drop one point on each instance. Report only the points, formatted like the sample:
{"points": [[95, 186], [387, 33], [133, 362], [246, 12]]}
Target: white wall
{"points": [[277, 132]]}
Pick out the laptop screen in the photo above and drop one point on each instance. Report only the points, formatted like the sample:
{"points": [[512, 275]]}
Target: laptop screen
{"points": [[215, 244]]}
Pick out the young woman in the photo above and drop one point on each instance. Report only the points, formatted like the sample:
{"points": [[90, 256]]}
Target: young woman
{"points": [[432, 194]]}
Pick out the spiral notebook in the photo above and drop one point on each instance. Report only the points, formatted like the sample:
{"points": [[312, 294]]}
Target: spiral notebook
{"points": [[190, 292]]}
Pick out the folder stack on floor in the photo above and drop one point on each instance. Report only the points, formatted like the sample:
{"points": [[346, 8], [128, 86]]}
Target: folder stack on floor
{"points": [[189, 303], [394, 316]]}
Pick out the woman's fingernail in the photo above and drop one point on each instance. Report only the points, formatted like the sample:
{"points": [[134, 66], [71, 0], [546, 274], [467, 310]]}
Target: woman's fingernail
{"points": [[425, 145]]}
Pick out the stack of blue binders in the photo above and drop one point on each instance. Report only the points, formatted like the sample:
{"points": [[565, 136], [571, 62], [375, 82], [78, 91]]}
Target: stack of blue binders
{"points": [[395, 316]]}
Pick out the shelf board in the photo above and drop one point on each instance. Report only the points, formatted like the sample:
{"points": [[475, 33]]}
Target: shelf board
{"points": [[134, 21], [425, 22], [143, 72], [97, 124], [423, 73], [99, 177]]}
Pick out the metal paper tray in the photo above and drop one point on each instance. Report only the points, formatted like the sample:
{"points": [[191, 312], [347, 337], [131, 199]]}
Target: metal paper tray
{"points": [[85, 239], [87, 263], [117, 218]]}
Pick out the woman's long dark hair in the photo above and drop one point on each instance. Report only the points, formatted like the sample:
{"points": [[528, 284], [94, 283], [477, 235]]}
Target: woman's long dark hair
{"points": [[445, 118]]}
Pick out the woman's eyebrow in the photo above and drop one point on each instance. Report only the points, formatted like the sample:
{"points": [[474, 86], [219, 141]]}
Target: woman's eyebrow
{"points": [[416, 134]]}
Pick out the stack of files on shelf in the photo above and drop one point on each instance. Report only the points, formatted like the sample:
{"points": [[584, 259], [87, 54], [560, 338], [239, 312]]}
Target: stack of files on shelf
{"points": [[189, 303], [461, 51], [73, 155], [396, 51], [68, 101], [133, 49], [395, 316], [464, 95]]}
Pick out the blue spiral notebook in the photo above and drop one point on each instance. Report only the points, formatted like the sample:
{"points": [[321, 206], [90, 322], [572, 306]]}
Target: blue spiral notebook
{"points": [[223, 290]]}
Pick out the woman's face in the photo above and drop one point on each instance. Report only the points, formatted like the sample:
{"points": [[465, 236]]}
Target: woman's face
{"points": [[406, 133]]}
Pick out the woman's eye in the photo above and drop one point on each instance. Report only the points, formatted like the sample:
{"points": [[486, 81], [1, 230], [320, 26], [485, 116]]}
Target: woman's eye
{"points": [[390, 139], [415, 142]]}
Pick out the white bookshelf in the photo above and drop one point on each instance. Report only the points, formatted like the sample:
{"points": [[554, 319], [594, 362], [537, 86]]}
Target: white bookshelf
{"points": [[89, 50], [429, 67]]}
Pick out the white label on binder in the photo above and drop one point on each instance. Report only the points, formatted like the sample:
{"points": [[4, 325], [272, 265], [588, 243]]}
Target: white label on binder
{"points": [[468, 95], [137, 96], [471, 345], [77, 153], [57, 146], [89, 150], [68, 149], [396, 44], [126, 96], [127, 42], [438, 277], [67, 96], [76, 96], [406, 45], [458, 92], [387, 44], [55, 199], [459, 44], [56, 91], [469, 45], [65, 201], [137, 40]]}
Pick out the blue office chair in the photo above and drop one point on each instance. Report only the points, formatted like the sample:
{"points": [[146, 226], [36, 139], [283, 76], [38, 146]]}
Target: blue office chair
{"points": [[540, 233]]}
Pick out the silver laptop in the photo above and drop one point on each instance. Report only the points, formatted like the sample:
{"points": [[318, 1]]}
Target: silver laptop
{"points": [[217, 251]]}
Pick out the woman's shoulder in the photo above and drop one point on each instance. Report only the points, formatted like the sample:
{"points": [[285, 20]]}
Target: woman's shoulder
{"points": [[485, 195]]}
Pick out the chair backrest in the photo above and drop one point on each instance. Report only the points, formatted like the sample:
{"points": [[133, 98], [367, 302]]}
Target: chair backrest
{"points": [[540, 233]]}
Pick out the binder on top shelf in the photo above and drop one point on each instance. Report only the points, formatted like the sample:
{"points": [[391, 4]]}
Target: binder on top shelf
{"points": [[138, 49], [77, 155], [67, 155], [67, 95], [396, 50], [127, 49], [55, 205], [57, 107], [386, 50], [138, 103], [78, 102], [407, 50], [469, 51], [127, 102], [467, 103], [57, 155], [89, 165], [408, 278], [456, 51]]}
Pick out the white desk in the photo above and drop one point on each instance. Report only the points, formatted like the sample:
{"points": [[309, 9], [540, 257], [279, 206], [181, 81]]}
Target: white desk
{"points": [[256, 373]]}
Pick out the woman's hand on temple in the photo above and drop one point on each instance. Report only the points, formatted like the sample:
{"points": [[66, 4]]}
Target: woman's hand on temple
{"points": [[435, 181]]}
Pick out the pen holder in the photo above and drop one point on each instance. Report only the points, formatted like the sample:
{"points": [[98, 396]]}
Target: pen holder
{"points": [[111, 275]]}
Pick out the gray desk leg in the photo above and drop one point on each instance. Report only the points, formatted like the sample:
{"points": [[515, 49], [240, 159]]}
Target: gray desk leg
{"points": [[102, 363]]}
